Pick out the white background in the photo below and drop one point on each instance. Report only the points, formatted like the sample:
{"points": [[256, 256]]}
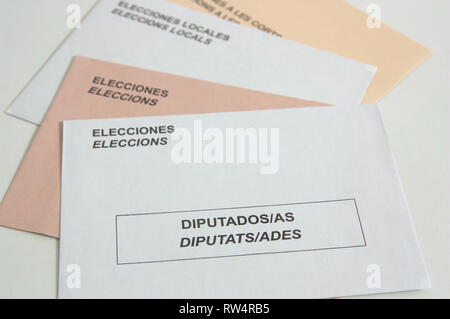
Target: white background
{"points": [[416, 114]]}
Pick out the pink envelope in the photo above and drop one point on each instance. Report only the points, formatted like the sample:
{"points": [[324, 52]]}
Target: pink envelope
{"points": [[97, 89]]}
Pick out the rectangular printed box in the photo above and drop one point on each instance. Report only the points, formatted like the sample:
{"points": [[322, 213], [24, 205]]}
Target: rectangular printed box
{"points": [[238, 231]]}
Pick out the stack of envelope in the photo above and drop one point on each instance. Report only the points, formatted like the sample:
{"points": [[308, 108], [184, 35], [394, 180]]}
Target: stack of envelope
{"points": [[181, 155]]}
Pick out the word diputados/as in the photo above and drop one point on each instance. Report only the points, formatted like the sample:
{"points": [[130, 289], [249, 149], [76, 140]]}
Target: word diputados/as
{"points": [[211, 222]]}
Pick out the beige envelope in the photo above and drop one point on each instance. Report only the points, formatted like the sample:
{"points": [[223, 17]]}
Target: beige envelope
{"points": [[331, 25], [96, 89]]}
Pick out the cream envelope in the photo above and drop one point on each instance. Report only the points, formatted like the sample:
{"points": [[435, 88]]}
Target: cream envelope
{"points": [[331, 25], [166, 37], [96, 89], [286, 203]]}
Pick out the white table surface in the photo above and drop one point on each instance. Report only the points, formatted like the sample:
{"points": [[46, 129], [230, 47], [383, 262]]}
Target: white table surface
{"points": [[416, 115]]}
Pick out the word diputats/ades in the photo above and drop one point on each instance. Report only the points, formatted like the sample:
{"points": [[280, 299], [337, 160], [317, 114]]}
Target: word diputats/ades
{"points": [[241, 237]]}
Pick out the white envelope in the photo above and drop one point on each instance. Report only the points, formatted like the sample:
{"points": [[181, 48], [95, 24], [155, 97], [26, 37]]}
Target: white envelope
{"points": [[169, 38], [285, 203]]}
